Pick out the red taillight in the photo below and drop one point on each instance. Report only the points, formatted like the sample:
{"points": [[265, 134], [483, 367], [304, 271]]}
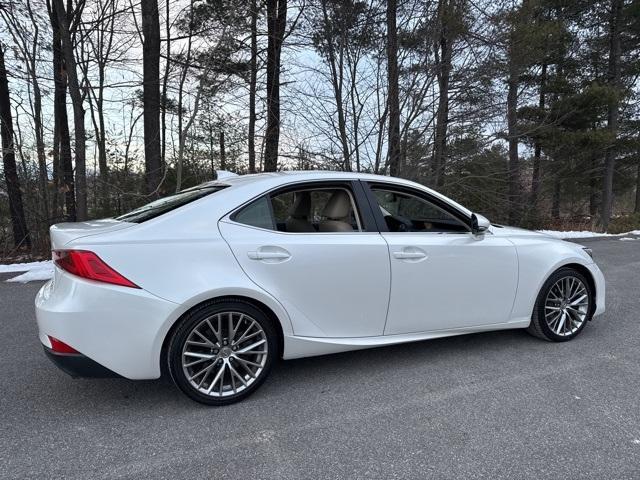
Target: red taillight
{"points": [[60, 347], [87, 264]]}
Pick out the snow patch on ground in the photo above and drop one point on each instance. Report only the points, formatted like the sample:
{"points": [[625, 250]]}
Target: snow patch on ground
{"points": [[628, 239], [33, 271], [24, 267], [40, 274]]}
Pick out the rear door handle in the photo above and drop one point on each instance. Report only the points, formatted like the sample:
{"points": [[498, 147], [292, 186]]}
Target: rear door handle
{"points": [[270, 253], [410, 253]]}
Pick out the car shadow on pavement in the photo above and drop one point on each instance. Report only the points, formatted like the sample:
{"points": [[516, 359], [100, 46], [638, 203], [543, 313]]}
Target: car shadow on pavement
{"points": [[317, 375]]}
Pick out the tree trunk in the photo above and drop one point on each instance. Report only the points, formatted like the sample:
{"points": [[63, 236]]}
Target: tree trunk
{"points": [[537, 150], [637, 207], [78, 111], [595, 190], [512, 126], [336, 68], [66, 159], [37, 119], [182, 134], [555, 203], [253, 85], [393, 95], [613, 74], [56, 204], [151, 95], [21, 236], [42, 158], [62, 139], [165, 80], [211, 150], [223, 155], [102, 140], [276, 22], [443, 74], [184, 131]]}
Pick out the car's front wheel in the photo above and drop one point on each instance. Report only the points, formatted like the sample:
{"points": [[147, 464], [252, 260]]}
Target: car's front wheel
{"points": [[564, 306], [222, 351]]}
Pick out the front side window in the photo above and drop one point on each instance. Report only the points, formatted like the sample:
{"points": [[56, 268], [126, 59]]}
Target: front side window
{"points": [[404, 212], [308, 210]]}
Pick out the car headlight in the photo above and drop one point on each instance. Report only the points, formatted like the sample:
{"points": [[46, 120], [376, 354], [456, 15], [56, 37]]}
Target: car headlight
{"points": [[588, 251]]}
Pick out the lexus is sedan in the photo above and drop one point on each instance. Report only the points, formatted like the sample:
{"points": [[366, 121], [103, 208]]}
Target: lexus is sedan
{"points": [[215, 284]]}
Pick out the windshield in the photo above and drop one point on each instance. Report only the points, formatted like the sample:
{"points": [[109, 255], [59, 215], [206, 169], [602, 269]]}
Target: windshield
{"points": [[166, 204]]}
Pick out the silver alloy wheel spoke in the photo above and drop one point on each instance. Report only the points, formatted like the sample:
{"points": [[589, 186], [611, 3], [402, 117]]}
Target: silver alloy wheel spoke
{"points": [[245, 335], [224, 354], [566, 306], [252, 346], [215, 380], [206, 340]]}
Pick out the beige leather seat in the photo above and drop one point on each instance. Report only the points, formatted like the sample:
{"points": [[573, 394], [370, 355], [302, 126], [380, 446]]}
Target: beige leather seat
{"points": [[298, 220], [337, 213]]}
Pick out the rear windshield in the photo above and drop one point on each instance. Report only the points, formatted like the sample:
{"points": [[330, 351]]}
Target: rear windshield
{"points": [[166, 204]]}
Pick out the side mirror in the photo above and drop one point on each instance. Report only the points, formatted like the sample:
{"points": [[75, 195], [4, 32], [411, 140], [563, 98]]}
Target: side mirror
{"points": [[479, 224]]}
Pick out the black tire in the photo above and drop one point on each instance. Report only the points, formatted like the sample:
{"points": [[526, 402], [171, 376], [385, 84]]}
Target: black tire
{"points": [[539, 327], [195, 318]]}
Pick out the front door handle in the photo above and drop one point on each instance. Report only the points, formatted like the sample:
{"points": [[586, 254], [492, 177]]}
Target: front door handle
{"points": [[410, 253], [270, 253]]}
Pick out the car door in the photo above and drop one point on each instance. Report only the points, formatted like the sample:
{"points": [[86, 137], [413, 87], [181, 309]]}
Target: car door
{"points": [[316, 249], [443, 276]]}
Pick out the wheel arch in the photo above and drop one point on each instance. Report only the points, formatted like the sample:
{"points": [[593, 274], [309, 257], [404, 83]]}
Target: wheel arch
{"points": [[536, 264], [579, 267], [262, 306], [584, 271]]}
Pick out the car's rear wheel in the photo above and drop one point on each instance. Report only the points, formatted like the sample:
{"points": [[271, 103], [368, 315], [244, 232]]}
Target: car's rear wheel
{"points": [[222, 352], [564, 306]]}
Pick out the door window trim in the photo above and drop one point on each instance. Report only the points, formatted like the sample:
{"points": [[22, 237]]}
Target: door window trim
{"points": [[368, 187], [357, 194]]}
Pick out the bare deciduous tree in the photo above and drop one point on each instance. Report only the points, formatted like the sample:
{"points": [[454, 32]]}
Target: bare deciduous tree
{"points": [[21, 236]]}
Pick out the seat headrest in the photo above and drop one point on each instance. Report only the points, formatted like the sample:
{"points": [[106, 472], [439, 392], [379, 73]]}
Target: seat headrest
{"points": [[301, 205], [338, 206]]}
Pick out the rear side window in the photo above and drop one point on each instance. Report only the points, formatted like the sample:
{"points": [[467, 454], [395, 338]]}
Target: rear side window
{"points": [[307, 210], [166, 204], [256, 214]]}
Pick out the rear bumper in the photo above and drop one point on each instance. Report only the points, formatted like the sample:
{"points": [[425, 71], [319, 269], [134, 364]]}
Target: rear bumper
{"points": [[121, 329], [78, 366]]}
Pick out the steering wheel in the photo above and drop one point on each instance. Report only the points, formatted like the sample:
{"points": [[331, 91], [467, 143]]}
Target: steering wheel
{"points": [[397, 223]]}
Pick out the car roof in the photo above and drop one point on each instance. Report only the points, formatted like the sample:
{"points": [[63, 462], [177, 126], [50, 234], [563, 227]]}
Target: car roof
{"points": [[285, 177], [301, 175]]}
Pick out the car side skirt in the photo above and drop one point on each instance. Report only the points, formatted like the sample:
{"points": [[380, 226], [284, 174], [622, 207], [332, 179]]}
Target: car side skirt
{"points": [[300, 347]]}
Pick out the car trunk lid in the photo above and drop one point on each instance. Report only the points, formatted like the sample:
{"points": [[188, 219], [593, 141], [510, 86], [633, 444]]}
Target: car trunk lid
{"points": [[63, 233]]}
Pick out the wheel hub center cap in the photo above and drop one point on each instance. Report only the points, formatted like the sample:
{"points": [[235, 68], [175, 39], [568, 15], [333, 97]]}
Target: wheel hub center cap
{"points": [[226, 352]]}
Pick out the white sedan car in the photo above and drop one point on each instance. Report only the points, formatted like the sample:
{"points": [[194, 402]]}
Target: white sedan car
{"points": [[216, 283]]}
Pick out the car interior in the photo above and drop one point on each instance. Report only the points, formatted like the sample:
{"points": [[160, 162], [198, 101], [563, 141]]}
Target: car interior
{"points": [[406, 213], [321, 210], [328, 210]]}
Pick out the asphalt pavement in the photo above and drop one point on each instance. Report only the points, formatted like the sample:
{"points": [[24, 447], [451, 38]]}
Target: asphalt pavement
{"points": [[493, 405]]}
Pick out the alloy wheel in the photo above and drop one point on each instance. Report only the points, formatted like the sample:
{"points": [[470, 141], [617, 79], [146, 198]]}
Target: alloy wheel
{"points": [[566, 306], [224, 354]]}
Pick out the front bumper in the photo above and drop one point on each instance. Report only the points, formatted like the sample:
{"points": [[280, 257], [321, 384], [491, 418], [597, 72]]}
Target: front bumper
{"points": [[78, 366], [119, 328], [600, 284]]}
